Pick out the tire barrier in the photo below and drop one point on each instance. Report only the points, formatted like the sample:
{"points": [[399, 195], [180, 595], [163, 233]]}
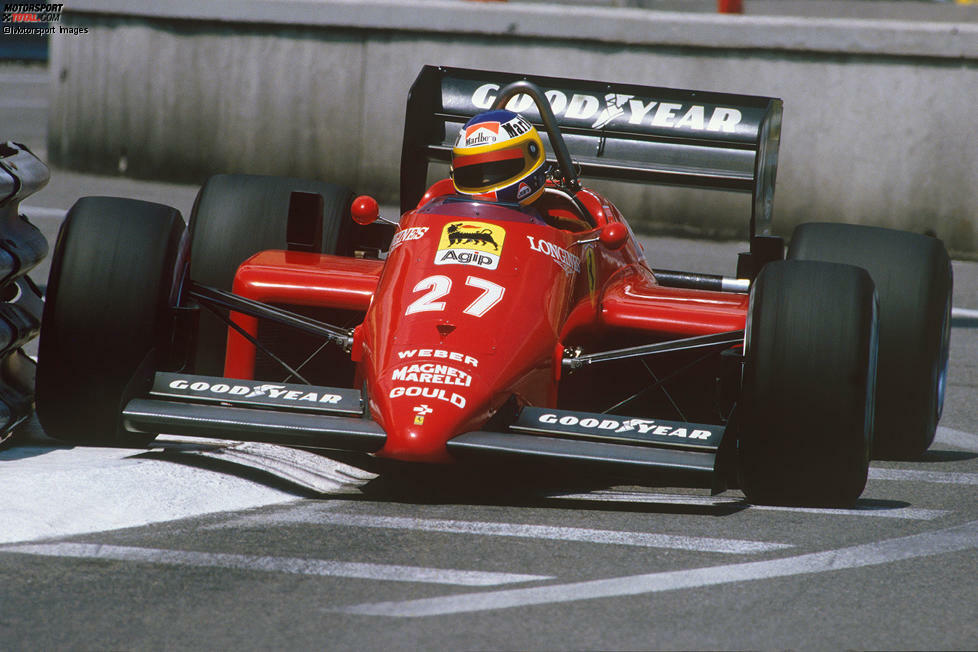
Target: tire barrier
{"points": [[22, 247]]}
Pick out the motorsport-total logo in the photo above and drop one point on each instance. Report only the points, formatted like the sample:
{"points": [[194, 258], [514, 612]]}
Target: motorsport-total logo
{"points": [[35, 19]]}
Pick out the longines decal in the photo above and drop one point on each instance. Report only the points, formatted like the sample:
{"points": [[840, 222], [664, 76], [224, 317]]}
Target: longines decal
{"points": [[568, 262]]}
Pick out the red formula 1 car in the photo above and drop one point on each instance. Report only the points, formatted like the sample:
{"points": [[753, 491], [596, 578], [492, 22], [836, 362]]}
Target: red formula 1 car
{"points": [[472, 332]]}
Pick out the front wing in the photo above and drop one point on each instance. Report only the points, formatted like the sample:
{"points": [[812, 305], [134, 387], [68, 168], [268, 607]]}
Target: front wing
{"points": [[335, 419]]}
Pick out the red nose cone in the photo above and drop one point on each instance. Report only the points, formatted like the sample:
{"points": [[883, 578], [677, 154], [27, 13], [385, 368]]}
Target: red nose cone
{"points": [[365, 210], [422, 402]]}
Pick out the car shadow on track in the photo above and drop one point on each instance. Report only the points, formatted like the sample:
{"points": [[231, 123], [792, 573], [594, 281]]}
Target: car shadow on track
{"points": [[936, 457], [495, 485]]}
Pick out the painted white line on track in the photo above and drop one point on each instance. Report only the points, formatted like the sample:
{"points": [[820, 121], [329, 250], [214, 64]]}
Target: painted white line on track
{"points": [[910, 513], [316, 515], [294, 565], [936, 477], [954, 539], [869, 509]]}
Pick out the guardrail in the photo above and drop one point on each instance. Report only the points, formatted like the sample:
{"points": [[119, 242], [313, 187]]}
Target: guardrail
{"points": [[876, 124], [22, 247]]}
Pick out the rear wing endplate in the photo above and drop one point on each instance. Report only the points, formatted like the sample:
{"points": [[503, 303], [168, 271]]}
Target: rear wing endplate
{"points": [[621, 132]]}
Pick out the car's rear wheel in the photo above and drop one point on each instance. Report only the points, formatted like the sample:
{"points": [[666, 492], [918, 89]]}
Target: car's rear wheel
{"points": [[913, 279], [238, 215], [106, 315], [805, 418]]}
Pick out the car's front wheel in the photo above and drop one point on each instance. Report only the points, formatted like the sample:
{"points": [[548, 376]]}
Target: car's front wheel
{"points": [[113, 279], [805, 417]]}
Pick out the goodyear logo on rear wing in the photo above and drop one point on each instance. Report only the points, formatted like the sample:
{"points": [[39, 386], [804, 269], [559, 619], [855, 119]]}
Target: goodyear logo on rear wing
{"points": [[256, 393], [600, 110], [653, 432], [470, 243]]}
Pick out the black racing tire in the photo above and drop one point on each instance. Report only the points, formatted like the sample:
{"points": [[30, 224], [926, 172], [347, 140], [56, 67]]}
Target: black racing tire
{"points": [[913, 278], [805, 418], [238, 215], [105, 323]]}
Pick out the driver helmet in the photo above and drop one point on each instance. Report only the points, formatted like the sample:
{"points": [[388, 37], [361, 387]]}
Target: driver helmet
{"points": [[499, 156]]}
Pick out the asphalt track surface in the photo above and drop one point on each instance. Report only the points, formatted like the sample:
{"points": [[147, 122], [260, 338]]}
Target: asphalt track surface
{"points": [[215, 545]]}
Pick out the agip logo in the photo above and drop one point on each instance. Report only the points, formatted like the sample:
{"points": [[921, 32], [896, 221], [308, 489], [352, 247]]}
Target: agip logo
{"points": [[471, 243]]}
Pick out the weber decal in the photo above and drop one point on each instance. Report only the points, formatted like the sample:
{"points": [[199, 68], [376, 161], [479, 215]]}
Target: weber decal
{"points": [[439, 354], [471, 243], [625, 429], [256, 393]]}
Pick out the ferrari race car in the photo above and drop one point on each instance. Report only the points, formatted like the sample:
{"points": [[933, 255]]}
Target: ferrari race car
{"points": [[288, 312]]}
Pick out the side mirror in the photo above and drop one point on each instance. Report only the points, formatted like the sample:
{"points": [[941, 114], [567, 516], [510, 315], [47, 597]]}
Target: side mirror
{"points": [[365, 210], [613, 235]]}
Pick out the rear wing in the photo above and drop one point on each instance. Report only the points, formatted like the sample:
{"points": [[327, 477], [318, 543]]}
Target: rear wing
{"points": [[621, 132]]}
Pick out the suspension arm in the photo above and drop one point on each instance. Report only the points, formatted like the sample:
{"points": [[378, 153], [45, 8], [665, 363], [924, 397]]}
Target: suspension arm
{"points": [[215, 297], [717, 340]]}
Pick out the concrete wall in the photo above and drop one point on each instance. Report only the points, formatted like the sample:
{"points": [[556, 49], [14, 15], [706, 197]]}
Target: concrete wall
{"points": [[878, 115]]}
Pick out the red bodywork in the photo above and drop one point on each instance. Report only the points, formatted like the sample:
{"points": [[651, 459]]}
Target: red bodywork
{"points": [[474, 305]]}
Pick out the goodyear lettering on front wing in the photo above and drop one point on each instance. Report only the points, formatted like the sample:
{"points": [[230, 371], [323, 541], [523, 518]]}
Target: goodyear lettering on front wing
{"points": [[234, 391], [471, 243], [609, 427]]}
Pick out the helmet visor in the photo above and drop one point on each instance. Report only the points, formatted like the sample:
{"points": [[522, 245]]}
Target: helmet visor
{"points": [[486, 175]]}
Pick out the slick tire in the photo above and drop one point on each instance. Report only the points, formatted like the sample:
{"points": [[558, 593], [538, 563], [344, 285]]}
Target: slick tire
{"points": [[913, 279], [805, 419], [106, 321], [238, 215]]}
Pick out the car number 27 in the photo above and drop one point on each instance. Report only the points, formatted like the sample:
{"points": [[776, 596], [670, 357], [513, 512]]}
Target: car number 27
{"points": [[437, 287]]}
